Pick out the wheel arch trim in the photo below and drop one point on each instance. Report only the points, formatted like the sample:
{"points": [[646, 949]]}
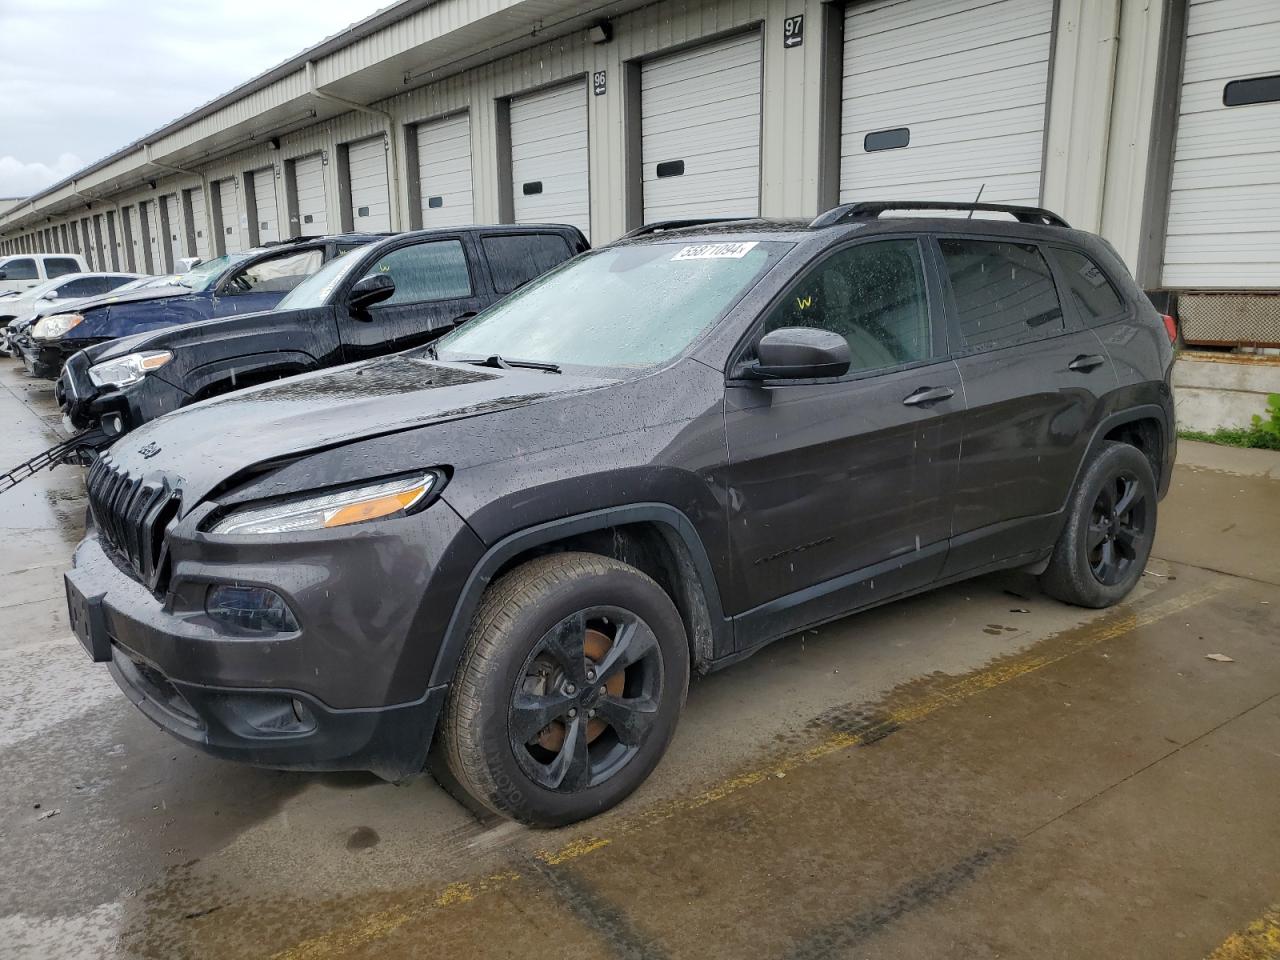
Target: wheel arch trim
{"points": [[482, 574]]}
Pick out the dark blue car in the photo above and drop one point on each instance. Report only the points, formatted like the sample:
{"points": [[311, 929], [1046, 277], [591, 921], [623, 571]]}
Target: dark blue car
{"points": [[246, 282]]}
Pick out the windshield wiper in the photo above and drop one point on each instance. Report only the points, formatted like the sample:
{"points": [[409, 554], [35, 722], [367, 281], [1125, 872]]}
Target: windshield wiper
{"points": [[504, 364]]}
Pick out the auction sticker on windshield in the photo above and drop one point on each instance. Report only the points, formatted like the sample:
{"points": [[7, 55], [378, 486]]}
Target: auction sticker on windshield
{"points": [[715, 251]]}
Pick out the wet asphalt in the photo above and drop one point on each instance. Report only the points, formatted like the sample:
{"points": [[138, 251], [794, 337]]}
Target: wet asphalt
{"points": [[978, 772]]}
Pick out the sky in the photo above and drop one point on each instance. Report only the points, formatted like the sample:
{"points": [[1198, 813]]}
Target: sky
{"points": [[81, 78]]}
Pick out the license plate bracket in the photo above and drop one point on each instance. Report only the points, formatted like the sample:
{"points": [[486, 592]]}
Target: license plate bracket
{"points": [[87, 620]]}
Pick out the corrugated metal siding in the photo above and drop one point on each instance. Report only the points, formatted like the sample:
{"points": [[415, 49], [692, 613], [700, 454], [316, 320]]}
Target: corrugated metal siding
{"points": [[313, 214], [264, 201], [370, 195], [1224, 203], [549, 155], [700, 109], [444, 172], [967, 78]]}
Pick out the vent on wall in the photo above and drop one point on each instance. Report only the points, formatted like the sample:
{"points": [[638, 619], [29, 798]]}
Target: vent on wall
{"points": [[435, 203], [670, 168], [362, 212], [532, 188]]}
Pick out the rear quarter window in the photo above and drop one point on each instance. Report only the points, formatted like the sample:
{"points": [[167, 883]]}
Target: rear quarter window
{"points": [[58, 266], [515, 259], [1003, 291], [1089, 289]]}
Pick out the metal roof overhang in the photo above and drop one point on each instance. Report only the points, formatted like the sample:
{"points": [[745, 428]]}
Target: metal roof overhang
{"points": [[403, 46]]}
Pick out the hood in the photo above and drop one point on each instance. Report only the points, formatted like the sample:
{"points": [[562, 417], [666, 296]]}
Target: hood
{"points": [[106, 299], [200, 447]]}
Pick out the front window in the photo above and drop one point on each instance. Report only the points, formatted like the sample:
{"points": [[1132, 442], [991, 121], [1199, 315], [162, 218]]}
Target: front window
{"points": [[205, 275], [314, 290], [425, 272], [622, 307], [23, 268], [277, 275]]}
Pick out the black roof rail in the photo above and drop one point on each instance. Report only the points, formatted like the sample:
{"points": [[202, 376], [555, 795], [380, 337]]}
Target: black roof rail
{"points": [[661, 226], [871, 210]]}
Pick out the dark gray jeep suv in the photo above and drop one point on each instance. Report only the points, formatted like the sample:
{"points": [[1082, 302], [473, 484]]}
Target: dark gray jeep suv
{"points": [[503, 554]]}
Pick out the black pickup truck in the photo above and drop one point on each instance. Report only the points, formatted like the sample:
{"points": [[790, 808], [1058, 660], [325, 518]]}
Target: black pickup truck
{"points": [[380, 298]]}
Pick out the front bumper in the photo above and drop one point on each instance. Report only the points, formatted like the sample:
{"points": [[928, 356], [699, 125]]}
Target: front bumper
{"points": [[261, 701], [117, 409], [45, 358]]}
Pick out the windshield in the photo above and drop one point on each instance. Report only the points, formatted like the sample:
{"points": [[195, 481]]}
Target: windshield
{"points": [[314, 290], [632, 307], [206, 274]]}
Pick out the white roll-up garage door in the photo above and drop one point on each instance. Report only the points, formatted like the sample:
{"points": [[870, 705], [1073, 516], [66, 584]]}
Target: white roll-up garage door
{"points": [[199, 223], [135, 259], [942, 99], [172, 211], [308, 178], [444, 171], [700, 131], [266, 216], [1224, 201], [370, 197], [151, 233], [549, 174], [229, 208]]}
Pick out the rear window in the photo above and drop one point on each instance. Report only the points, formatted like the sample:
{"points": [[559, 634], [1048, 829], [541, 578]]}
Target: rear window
{"points": [[1090, 291], [21, 269], [1003, 291], [515, 259], [58, 266]]}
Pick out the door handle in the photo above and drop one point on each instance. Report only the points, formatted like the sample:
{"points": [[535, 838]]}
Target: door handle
{"points": [[927, 395], [1086, 362]]}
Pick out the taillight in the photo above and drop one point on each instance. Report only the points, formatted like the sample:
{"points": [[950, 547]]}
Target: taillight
{"points": [[1170, 327]]}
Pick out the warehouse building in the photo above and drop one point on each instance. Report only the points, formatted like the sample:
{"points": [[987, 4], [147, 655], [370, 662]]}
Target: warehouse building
{"points": [[1155, 123]]}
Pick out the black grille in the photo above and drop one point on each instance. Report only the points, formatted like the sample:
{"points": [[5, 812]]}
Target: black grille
{"points": [[132, 515]]}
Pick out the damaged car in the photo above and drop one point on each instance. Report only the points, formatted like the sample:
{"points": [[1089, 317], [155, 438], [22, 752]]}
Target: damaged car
{"points": [[394, 294], [236, 283], [501, 556]]}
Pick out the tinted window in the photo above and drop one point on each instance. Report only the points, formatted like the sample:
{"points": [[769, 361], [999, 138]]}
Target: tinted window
{"points": [[886, 139], [1242, 93], [426, 271], [24, 269], [1003, 291], [57, 266], [1093, 295], [86, 286], [516, 259], [279, 275], [873, 295]]}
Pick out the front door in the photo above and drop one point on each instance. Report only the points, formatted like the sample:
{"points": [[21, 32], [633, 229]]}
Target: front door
{"points": [[264, 283], [840, 490], [1033, 382], [435, 288]]}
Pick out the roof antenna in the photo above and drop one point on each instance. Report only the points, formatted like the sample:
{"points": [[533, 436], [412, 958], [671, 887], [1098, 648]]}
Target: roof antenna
{"points": [[976, 199]]}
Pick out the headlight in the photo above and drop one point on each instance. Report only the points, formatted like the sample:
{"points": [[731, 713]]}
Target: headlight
{"points": [[126, 370], [353, 505], [56, 326]]}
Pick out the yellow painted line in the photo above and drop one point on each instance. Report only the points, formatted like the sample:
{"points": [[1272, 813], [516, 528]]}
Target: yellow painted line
{"points": [[342, 939], [1258, 941]]}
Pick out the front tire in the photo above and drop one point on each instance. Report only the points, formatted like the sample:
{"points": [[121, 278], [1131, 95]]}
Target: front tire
{"points": [[568, 690], [1110, 527]]}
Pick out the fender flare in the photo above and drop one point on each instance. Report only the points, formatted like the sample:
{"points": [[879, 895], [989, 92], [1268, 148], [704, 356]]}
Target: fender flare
{"points": [[248, 365], [482, 574], [1146, 411]]}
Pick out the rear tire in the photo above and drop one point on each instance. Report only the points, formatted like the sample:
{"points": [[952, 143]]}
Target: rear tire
{"points": [[1110, 526], [568, 690]]}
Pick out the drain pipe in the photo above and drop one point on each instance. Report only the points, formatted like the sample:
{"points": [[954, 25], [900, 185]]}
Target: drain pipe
{"points": [[392, 142], [204, 189]]}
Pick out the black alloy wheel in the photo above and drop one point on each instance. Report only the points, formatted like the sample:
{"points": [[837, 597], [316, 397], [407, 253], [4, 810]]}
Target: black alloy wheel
{"points": [[1117, 526]]}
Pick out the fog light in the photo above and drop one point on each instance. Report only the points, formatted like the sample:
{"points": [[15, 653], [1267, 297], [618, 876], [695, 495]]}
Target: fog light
{"points": [[255, 609]]}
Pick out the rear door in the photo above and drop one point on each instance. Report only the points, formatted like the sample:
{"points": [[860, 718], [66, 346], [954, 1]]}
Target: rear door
{"points": [[1034, 382], [436, 286], [840, 490]]}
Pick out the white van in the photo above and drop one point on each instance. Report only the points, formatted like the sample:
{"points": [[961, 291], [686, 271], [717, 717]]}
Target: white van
{"points": [[23, 271]]}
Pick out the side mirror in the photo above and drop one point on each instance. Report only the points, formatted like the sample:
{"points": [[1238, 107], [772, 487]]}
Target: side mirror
{"points": [[372, 289], [51, 295], [4, 274], [800, 353]]}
